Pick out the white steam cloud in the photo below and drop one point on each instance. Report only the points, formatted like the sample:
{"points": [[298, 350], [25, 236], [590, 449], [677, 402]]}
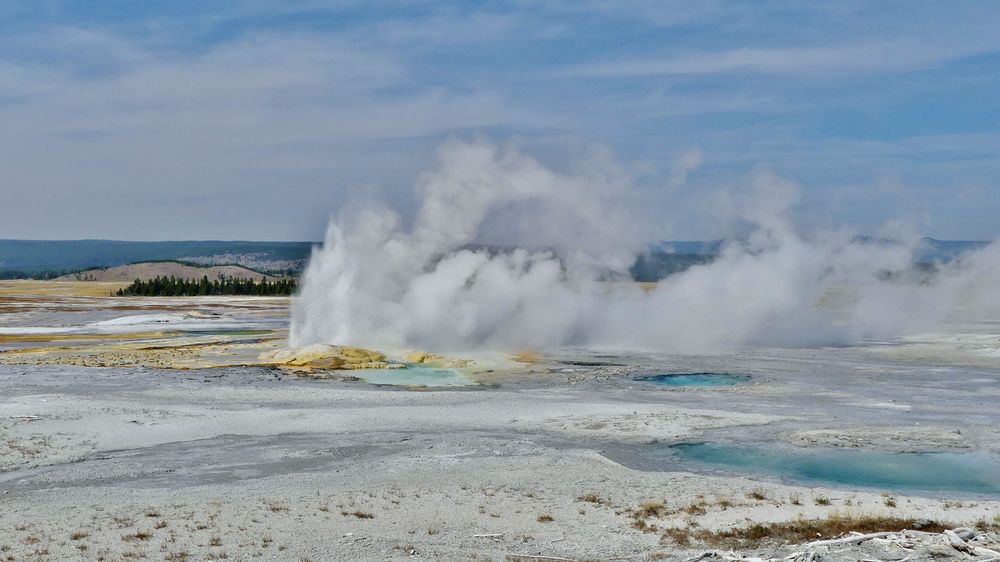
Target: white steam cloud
{"points": [[377, 282]]}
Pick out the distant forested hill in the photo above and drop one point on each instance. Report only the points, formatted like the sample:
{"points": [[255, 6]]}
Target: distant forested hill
{"points": [[50, 258], [932, 250], [669, 257]]}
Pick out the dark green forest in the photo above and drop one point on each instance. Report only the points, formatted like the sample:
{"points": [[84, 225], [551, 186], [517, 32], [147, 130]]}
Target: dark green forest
{"points": [[174, 287]]}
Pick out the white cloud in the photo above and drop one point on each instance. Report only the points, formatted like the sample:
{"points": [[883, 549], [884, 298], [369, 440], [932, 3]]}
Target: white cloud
{"points": [[810, 61], [265, 114], [244, 108]]}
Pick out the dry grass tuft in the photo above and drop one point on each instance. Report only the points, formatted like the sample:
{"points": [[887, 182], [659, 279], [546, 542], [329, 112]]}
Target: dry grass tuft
{"points": [[677, 535], [123, 522], [647, 509], [696, 508], [545, 518], [138, 536], [594, 499], [358, 514], [651, 508], [989, 525]]}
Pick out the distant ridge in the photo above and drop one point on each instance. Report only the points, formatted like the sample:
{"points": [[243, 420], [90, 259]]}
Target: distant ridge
{"points": [[55, 258], [669, 257], [929, 249], [932, 250], [146, 271], [59, 257]]}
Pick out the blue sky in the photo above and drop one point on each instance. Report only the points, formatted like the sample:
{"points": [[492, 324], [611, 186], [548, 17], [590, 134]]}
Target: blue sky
{"points": [[256, 120]]}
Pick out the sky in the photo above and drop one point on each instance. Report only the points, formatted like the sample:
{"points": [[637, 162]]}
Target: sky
{"points": [[246, 119]]}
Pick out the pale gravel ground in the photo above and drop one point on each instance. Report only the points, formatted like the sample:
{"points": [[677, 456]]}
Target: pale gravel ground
{"points": [[248, 464], [159, 464]]}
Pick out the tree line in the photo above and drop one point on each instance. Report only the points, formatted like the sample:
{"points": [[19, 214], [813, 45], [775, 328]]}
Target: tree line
{"points": [[37, 275], [178, 287]]}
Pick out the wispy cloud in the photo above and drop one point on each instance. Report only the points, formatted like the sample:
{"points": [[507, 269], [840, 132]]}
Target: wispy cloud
{"points": [[246, 106], [878, 56]]}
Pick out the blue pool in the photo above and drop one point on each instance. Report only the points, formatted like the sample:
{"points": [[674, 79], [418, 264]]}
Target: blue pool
{"points": [[693, 379], [971, 472], [412, 376]]}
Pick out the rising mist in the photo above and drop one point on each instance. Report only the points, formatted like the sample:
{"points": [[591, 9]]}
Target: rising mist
{"points": [[378, 282]]}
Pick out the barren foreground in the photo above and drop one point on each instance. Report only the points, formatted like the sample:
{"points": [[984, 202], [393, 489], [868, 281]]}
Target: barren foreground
{"points": [[544, 459]]}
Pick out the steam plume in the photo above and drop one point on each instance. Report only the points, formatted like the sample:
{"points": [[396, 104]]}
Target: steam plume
{"points": [[376, 282]]}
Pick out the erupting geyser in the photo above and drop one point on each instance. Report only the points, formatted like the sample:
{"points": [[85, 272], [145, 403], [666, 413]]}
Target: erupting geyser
{"points": [[378, 282]]}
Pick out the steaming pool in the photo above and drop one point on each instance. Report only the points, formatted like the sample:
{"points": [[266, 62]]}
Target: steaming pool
{"points": [[413, 376], [962, 472], [693, 379]]}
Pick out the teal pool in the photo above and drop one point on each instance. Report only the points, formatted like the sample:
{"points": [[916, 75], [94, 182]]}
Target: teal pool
{"points": [[228, 332], [412, 376], [693, 379], [970, 472]]}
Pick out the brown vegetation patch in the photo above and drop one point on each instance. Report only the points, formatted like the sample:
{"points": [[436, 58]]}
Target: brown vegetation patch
{"points": [[138, 536], [358, 514], [992, 525], [24, 288], [802, 530], [654, 508], [594, 499], [94, 337]]}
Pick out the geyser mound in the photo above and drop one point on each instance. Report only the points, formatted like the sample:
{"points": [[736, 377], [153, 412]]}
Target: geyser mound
{"points": [[327, 357]]}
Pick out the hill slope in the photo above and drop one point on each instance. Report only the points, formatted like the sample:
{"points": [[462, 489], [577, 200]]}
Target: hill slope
{"points": [[38, 256], [150, 270]]}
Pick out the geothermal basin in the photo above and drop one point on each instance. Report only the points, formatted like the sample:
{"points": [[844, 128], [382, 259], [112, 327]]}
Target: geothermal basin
{"points": [[172, 430]]}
